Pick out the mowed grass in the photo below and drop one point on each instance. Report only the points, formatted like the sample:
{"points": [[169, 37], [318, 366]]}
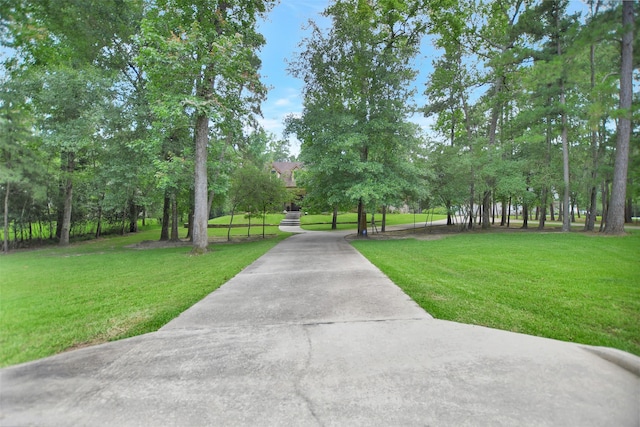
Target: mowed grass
{"points": [[572, 287], [56, 299], [348, 221], [240, 218]]}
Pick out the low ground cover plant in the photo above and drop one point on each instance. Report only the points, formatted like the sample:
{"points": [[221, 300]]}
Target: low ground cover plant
{"points": [[575, 287]]}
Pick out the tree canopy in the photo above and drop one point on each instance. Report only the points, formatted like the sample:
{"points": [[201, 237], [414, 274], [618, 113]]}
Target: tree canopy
{"points": [[116, 110]]}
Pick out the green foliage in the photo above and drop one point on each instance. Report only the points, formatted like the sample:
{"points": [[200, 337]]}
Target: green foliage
{"points": [[255, 191], [103, 96], [356, 139], [210, 48], [21, 161], [591, 296], [531, 61]]}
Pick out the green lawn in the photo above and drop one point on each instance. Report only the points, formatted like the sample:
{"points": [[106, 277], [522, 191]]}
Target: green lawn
{"points": [[348, 221], [239, 218], [54, 299], [573, 287]]}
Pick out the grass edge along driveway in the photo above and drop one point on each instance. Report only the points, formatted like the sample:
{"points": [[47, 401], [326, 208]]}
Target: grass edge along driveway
{"points": [[56, 299], [575, 287]]}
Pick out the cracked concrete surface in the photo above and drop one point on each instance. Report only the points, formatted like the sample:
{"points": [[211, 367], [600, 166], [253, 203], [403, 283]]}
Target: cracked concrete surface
{"points": [[313, 334]]}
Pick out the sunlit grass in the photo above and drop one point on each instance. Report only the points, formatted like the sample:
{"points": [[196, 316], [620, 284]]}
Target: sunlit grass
{"points": [[58, 298], [573, 287]]}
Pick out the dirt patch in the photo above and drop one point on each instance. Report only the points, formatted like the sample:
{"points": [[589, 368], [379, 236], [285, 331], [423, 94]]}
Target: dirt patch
{"points": [[436, 232], [420, 233], [157, 244]]}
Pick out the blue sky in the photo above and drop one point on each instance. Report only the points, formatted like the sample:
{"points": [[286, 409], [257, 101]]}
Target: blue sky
{"points": [[283, 30]]}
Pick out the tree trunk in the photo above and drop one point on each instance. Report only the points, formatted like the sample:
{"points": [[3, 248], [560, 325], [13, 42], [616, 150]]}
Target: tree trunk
{"points": [[605, 204], [174, 218], [133, 216], [5, 244], [200, 219], [51, 233], [560, 212], [493, 212], [362, 219], [68, 198], [471, 197], [449, 218], [566, 219], [166, 217], [384, 218], [493, 127], [124, 219], [99, 221], [233, 211], [190, 222], [525, 215], [543, 209], [486, 210], [590, 220], [615, 215], [334, 219], [60, 213]]}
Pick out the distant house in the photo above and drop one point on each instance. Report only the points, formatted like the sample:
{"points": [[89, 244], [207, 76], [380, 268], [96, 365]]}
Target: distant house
{"points": [[286, 171]]}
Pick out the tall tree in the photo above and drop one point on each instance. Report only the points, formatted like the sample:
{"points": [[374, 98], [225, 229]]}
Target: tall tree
{"points": [[211, 46], [616, 213], [68, 101], [448, 92], [354, 128], [67, 54], [498, 41], [21, 164]]}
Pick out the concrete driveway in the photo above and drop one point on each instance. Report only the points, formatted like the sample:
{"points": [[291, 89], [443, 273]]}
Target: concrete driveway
{"points": [[313, 334]]}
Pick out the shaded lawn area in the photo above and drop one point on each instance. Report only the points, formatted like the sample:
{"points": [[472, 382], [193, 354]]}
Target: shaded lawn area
{"points": [[575, 287], [55, 299], [240, 218], [348, 221]]}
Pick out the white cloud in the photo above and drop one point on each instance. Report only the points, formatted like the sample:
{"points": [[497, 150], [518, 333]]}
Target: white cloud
{"points": [[282, 102], [272, 125]]}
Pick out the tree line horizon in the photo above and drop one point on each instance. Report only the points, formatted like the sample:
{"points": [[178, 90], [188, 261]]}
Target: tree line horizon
{"points": [[118, 107]]}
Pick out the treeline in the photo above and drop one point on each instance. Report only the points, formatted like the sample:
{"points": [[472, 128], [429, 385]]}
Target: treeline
{"points": [[530, 105], [113, 111]]}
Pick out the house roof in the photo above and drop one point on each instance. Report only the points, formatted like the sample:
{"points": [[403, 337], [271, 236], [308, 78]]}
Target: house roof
{"points": [[283, 167], [285, 171]]}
